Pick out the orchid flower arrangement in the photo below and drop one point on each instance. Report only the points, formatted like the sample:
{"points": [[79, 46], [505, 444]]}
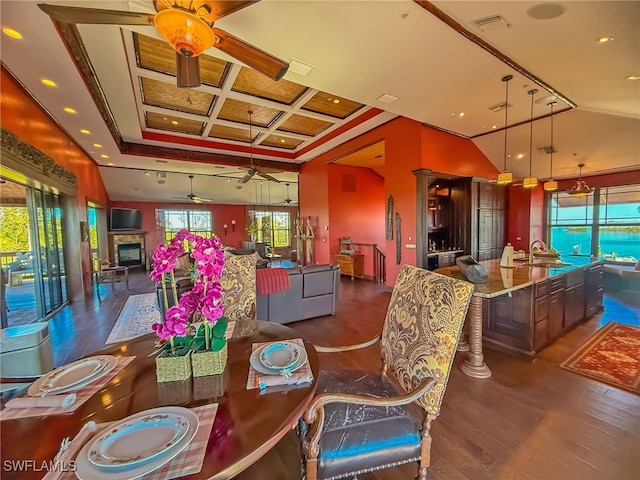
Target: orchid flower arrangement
{"points": [[196, 320]]}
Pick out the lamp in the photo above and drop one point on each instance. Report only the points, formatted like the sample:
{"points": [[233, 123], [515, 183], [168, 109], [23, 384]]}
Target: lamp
{"points": [[551, 185], [233, 225], [580, 189], [505, 177], [185, 31], [531, 181]]}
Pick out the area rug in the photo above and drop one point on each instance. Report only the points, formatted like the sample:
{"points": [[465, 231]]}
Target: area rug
{"points": [[135, 319], [612, 356]]}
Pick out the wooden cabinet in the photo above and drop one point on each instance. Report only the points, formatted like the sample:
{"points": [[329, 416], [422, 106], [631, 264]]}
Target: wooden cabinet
{"points": [[491, 221], [446, 259], [594, 291], [352, 265], [548, 310], [574, 297]]}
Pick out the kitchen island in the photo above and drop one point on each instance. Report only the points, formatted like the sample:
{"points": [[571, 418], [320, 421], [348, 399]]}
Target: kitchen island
{"points": [[523, 309]]}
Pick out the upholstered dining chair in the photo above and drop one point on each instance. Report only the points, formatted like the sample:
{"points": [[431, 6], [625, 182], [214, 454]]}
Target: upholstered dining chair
{"points": [[362, 421], [238, 282]]}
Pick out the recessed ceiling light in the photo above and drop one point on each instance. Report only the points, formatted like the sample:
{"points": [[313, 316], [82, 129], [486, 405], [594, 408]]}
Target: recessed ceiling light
{"points": [[146, 173], [282, 140], [69, 110], [48, 83], [10, 32], [110, 164], [104, 155], [453, 114], [633, 77], [520, 155], [494, 126], [461, 114], [604, 39], [336, 100], [97, 145], [174, 122], [85, 131]]}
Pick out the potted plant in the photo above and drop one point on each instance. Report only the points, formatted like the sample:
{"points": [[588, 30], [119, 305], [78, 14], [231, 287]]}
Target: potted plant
{"points": [[190, 327]]}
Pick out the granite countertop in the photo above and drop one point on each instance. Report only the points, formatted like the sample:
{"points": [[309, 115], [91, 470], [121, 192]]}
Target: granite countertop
{"points": [[504, 280]]}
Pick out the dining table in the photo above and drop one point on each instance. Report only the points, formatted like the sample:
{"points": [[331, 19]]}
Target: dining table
{"points": [[248, 422]]}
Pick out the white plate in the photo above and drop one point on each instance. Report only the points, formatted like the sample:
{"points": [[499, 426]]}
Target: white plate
{"points": [[254, 360], [279, 355], [85, 470], [73, 376], [136, 440]]}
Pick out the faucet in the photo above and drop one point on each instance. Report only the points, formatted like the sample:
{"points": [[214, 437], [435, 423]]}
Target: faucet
{"points": [[544, 247]]}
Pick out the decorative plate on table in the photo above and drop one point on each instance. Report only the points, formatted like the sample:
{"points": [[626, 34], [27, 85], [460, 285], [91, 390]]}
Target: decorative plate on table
{"points": [[282, 358], [135, 441], [279, 355], [73, 375]]}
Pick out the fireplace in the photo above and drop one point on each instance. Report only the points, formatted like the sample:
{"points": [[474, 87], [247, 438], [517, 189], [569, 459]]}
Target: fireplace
{"points": [[129, 254]]}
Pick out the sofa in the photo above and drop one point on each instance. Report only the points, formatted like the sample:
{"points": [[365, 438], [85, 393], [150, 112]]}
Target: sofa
{"points": [[313, 293]]}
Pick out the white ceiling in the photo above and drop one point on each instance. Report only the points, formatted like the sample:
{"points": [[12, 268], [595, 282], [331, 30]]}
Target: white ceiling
{"points": [[360, 50]]}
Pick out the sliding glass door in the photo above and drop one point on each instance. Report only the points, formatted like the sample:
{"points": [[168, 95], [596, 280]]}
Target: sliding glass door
{"points": [[46, 220]]}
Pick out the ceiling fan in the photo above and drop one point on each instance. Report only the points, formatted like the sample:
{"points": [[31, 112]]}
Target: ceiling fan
{"points": [[187, 25], [191, 196], [288, 200], [253, 169]]}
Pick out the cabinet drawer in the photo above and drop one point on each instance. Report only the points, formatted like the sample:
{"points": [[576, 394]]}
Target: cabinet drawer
{"points": [[541, 289], [556, 283]]}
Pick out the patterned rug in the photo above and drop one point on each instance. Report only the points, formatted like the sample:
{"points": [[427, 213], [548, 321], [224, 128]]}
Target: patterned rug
{"points": [[612, 356], [135, 319]]}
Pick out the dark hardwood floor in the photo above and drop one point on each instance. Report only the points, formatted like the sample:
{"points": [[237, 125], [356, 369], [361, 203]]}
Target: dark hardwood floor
{"points": [[530, 420]]}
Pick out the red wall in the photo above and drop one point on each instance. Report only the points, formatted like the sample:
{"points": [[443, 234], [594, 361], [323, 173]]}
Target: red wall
{"points": [[221, 214], [526, 216], [409, 146], [365, 223]]}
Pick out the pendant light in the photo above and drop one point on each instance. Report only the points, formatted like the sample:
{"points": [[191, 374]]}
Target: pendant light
{"points": [[551, 185], [505, 177], [531, 181], [580, 189]]}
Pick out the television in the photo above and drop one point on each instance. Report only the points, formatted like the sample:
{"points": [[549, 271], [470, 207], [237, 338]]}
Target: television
{"points": [[126, 219]]}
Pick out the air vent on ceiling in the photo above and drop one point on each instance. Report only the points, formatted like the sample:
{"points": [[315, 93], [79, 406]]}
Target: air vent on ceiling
{"points": [[491, 22], [499, 107], [547, 150], [161, 161]]}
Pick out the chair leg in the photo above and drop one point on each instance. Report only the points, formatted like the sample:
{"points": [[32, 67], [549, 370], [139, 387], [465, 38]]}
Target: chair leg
{"points": [[425, 454], [311, 469]]}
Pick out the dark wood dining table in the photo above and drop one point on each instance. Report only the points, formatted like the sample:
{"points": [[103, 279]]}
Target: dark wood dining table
{"points": [[248, 423]]}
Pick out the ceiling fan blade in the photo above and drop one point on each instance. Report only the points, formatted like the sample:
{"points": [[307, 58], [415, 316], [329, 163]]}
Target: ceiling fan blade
{"points": [[257, 59], [268, 177], [248, 176], [66, 14], [188, 69], [224, 7]]}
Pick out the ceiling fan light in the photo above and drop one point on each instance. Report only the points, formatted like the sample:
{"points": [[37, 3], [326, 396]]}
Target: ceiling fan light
{"points": [[505, 178], [580, 189], [550, 186], [186, 33], [530, 182]]}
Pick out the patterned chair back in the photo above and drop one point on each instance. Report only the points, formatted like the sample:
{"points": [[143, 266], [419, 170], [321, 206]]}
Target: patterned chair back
{"points": [[422, 329], [239, 286]]}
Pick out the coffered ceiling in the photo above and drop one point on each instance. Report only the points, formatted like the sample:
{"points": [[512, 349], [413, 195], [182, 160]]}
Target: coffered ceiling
{"points": [[436, 62]]}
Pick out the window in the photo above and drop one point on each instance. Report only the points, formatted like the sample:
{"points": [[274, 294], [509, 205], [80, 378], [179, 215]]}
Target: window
{"points": [[606, 223], [198, 222], [274, 228]]}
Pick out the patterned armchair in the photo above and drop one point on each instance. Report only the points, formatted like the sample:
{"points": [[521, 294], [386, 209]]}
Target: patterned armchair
{"points": [[239, 286], [360, 421]]}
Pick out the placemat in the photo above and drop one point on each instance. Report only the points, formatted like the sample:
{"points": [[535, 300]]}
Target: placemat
{"points": [[82, 395], [187, 462], [261, 381]]}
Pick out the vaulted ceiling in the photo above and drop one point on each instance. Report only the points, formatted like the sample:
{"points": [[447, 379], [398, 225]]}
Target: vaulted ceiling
{"points": [[440, 63]]}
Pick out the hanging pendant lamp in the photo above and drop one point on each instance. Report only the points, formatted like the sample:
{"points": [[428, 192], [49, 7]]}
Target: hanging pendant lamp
{"points": [[531, 181], [505, 177], [551, 185], [580, 189]]}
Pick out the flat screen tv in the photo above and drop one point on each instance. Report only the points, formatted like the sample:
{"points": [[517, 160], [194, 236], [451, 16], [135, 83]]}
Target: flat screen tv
{"points": [[126, 219]]}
